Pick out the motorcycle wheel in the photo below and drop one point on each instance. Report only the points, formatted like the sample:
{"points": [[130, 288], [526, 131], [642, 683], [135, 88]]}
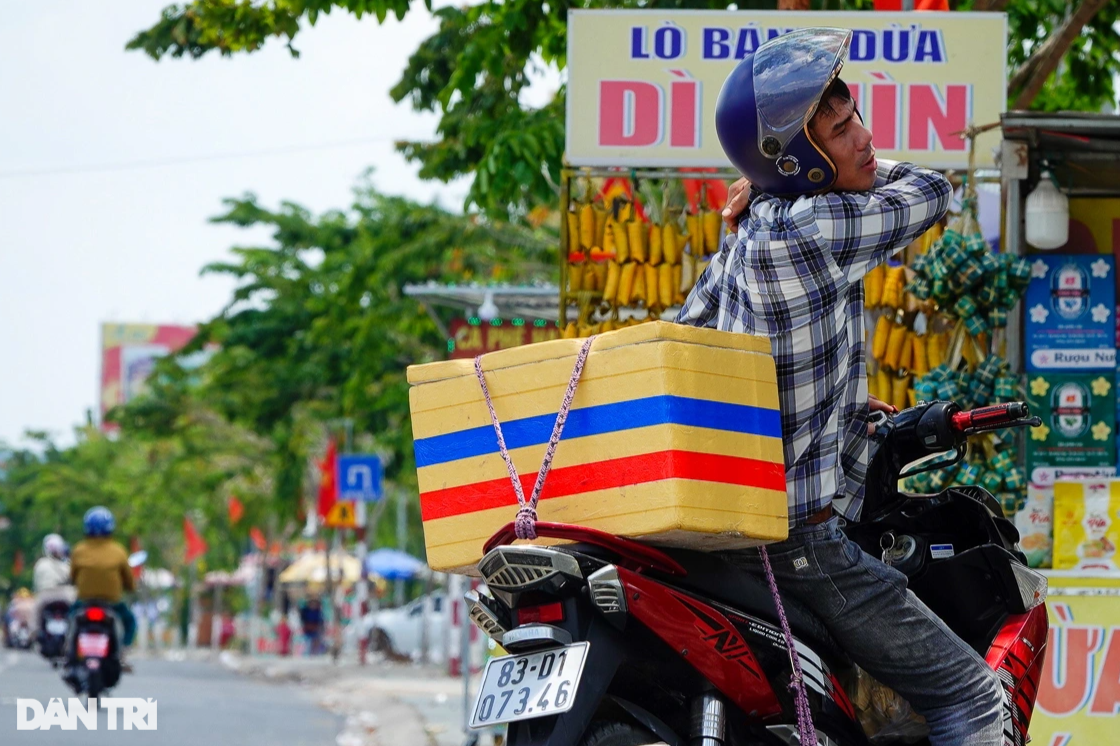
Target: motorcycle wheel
{"points": [[618, 734]]}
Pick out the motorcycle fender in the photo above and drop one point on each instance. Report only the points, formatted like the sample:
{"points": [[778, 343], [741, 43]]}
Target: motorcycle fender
{"points": [[606, 654]]}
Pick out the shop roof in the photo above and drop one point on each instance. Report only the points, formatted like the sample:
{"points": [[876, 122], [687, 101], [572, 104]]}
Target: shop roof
{"points": [[524, 301], [1081, 149]]}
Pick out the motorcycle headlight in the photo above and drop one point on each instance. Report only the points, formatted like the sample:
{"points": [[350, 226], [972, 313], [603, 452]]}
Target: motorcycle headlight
{"points": [[1032, 585]]}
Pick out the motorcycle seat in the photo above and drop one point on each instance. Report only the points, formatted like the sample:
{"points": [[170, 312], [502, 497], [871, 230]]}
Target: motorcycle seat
{"points": [[712, 576]]}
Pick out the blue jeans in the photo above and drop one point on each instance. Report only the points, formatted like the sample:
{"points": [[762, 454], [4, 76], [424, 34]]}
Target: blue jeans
{"points": [[888, 632]]}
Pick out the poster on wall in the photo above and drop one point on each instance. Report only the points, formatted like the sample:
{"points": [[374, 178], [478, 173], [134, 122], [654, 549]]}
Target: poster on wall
{"points": [[1087, 525], [643, 84], [1079, 690], [128, 355], [1070, 313], [1078, 412]]}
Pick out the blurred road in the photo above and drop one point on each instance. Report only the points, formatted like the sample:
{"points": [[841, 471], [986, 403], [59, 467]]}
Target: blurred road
{"points": [[199, 703]]}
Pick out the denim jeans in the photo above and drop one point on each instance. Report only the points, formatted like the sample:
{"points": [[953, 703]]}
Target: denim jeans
{"points": [[888, 632]]}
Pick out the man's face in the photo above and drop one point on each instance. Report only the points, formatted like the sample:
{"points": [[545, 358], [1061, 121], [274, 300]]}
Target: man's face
{"points": [[848, 143]]}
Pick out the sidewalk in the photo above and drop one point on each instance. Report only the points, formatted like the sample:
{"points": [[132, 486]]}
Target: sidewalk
{"points": [[386, 702]]}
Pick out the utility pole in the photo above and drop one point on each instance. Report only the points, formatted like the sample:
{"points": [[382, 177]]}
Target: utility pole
{"points": [[402, 538]]}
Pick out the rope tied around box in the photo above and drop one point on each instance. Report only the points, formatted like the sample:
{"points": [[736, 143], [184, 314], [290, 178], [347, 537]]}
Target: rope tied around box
{"points": [[525, 523]]}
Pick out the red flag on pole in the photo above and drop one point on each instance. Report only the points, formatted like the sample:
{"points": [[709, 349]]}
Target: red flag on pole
{"points": [[328, 479], [236, 510], [258, 538], [195, 545]]}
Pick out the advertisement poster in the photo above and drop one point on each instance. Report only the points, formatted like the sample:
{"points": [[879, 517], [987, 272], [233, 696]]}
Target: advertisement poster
{"points": [[128, 355], [1086, 525], [468, 340], [1079, 691], [643, 84], [1078, 412], [1070, 312]]}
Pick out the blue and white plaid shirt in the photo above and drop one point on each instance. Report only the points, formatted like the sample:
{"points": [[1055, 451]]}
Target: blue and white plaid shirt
{"points": [[794, 274]]}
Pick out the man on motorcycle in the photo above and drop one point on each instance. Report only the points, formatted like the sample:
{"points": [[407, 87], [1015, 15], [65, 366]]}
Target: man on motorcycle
{"points": [[822, 212], [100, 571]]}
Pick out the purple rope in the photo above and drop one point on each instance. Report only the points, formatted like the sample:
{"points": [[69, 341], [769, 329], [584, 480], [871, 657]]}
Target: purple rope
{"points": [[525, 523], [797, 682]]}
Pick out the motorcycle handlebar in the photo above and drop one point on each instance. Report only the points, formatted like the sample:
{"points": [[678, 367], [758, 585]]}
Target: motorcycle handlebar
{"points": [[996, 417]]}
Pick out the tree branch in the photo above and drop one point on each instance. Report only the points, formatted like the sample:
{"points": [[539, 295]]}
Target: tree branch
{"points": [[1032, 74]]}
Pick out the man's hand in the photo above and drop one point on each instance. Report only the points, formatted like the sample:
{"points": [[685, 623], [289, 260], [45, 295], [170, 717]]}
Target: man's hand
{"points": [[738, 195], [878, 405]]}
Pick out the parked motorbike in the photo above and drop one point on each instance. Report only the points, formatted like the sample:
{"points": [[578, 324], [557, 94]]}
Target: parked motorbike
{"points": [[53, 627], [615, 643], [93, 663]]}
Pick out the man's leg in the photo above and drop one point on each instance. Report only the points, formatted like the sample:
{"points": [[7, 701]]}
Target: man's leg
{"points": [[128, 621], [889, 633]]}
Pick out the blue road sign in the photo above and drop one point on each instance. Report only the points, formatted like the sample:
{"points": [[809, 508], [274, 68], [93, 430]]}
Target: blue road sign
{"points": [[359, 477]]}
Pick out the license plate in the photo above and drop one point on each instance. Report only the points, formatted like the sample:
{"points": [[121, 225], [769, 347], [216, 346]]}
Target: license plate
{"points": [[57, 626], [93, 645], [522, 687]]}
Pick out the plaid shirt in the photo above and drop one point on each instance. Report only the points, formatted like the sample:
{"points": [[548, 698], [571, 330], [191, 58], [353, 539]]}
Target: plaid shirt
{"points": [[794, 274]]}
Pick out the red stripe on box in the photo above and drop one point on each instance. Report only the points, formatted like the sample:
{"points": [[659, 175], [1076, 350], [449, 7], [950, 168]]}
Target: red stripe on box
{"points": [[602, 475]]}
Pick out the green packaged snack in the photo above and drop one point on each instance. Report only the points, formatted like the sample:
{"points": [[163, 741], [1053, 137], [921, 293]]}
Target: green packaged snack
{"points": [[991, 481], [921, 288], [976, 325], [987, 294], [965, 307], [997, 317], [970, 474], [1014, 480], [1007, 387]]}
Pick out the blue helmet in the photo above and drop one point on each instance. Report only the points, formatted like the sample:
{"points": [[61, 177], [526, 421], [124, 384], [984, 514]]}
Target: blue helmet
{"points": [[764, 108], [99, 522]]}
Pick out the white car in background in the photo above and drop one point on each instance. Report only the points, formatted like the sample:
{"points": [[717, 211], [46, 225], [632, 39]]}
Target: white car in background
{"points": [[399, 632]]}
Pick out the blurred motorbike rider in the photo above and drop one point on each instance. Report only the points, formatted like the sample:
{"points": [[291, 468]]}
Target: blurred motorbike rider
{"points": [[822, 212], [100, 571], [51, 577]]}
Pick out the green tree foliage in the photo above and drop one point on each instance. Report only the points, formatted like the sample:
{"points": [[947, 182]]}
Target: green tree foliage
{"points": [[317, 330], [474, 71]]}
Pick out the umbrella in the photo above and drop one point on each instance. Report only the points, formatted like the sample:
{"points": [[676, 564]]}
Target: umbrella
{"points": [[393, 564], [312, 569]]}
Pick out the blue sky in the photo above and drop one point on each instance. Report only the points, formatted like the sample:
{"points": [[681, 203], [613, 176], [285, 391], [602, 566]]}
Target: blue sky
{"points": [[122, 243]]}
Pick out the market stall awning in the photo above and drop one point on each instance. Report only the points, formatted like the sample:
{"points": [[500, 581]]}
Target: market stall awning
{"points": [[1081, 149], [505, 301], [311, 569]]}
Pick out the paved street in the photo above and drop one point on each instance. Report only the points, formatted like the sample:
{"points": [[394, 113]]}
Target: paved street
{"points": [[199, 703]]}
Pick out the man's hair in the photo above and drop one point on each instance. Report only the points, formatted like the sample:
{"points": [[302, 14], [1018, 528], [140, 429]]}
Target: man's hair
{"points": [[836, 94]]}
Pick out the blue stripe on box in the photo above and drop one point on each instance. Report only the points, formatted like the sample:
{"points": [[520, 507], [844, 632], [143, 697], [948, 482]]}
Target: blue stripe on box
{"points": [[600, 419]]}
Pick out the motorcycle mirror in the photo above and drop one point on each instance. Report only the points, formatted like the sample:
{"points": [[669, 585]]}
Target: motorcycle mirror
{"points": [[137, 558]]}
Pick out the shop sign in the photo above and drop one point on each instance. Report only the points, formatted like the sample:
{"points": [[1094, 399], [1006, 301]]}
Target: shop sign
{"points": [[1070, 313], [1078, 412], [473, 337], [1079, 690], [643, 84]]}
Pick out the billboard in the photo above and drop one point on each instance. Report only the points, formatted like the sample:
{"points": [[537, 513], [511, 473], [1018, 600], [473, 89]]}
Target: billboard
{"points": [[642, 85], [128, 355], [1079, 691]]}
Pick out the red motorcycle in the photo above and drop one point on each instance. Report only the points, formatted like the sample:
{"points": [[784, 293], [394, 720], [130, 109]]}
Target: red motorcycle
{"points": [[615, 643]]}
